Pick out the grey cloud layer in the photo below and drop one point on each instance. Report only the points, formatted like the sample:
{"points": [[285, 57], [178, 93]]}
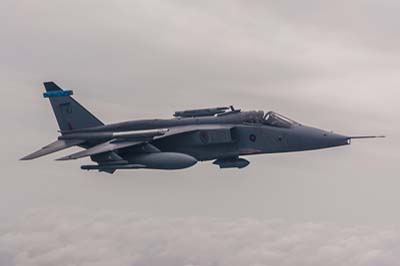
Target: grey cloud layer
{"points": [[60, 237]]}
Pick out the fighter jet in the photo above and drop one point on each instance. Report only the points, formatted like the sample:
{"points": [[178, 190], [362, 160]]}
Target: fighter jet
{"points": [[221, 134]]}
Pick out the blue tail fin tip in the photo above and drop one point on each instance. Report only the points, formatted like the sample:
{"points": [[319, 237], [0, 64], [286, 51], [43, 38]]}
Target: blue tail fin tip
{"points": [[49, 94]]}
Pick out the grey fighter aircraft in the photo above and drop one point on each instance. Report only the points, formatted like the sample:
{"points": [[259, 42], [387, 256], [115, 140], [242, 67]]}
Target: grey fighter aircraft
{"points": [[221, 134]]}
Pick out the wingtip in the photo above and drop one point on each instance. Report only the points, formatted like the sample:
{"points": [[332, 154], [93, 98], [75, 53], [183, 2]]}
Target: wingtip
{"points": [[28, 157]]}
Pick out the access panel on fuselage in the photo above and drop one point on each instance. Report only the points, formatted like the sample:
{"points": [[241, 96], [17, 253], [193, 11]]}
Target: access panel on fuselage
{"points": [[260, 139], [249, 139]]}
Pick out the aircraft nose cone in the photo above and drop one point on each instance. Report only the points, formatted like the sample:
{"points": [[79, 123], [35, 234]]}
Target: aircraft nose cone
{"points": [[330, 139], [314, 138], [335, 139]]}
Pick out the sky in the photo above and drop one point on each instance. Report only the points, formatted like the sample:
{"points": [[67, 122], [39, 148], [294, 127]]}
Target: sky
{"points": [[329, 64]]}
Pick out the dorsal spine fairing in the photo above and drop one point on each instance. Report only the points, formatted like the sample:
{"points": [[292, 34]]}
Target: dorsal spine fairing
{"points": [[204, 112]]}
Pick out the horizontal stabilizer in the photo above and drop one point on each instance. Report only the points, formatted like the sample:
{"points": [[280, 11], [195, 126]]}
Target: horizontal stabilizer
{"points": [[101, 148], [57, 145]]}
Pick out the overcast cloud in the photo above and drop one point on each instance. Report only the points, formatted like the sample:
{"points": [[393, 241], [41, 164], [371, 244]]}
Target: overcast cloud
{"points": [[330, 64], [66, 237]]}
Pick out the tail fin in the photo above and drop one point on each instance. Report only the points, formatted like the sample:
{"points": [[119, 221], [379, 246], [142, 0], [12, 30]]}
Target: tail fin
{"points": [[69, 113]]}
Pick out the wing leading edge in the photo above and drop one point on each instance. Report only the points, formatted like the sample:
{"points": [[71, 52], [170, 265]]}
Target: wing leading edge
{"points": [[108, 146], [55, 146]]}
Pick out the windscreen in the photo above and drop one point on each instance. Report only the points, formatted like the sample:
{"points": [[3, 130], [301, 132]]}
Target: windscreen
{"points": [[277, 120]]}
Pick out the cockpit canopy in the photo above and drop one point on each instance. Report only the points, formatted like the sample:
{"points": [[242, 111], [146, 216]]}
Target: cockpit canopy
{"points": [[270, 119], [276, 120]]}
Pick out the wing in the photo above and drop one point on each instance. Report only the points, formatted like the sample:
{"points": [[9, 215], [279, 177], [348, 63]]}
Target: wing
{"points": [[107, 146], [118, 140], [124, 140], [57, 145]]}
